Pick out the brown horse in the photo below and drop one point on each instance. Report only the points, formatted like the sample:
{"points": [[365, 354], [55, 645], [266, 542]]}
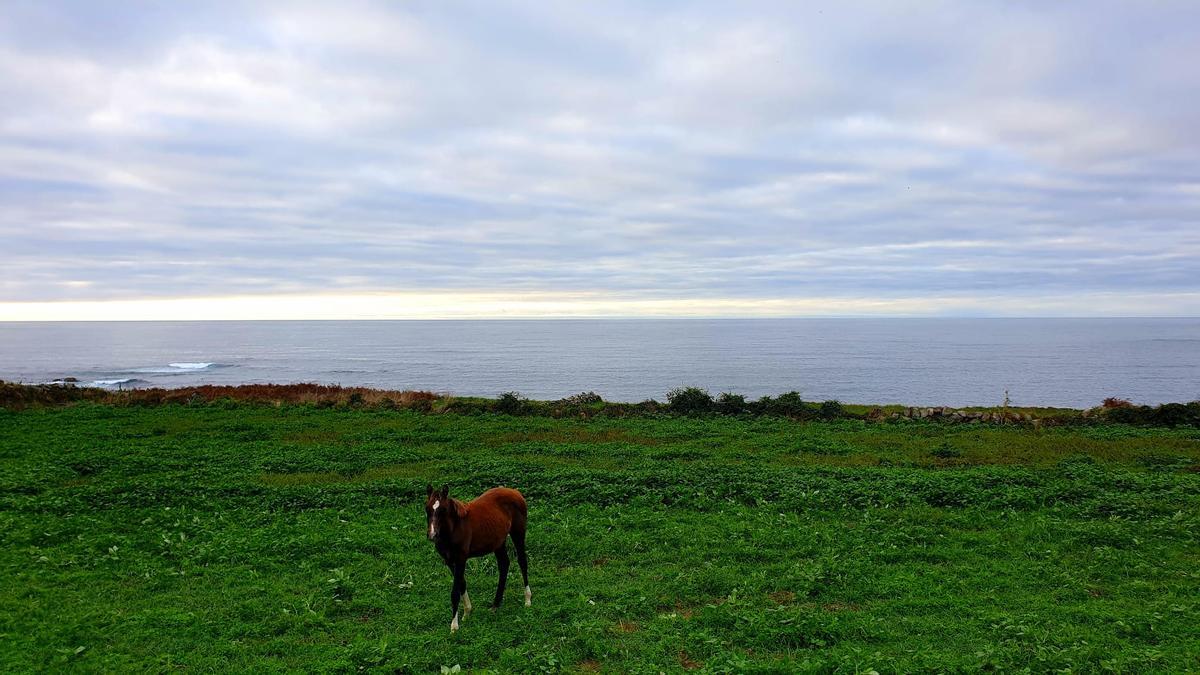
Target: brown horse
{"points": [[460, 531]]}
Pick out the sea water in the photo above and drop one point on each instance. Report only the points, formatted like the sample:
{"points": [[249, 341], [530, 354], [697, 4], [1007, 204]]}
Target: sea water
{"points": [[1060, 362]]}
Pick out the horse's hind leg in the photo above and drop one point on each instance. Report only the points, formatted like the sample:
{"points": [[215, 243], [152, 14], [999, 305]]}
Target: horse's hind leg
{"points": [[518, 537], [502, 563]]}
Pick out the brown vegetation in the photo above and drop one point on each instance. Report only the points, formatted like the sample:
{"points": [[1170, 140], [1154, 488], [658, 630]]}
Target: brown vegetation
{"points": [[20, 396]]}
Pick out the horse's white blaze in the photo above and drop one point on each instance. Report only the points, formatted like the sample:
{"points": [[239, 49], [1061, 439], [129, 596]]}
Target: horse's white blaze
{"points": [[454, 624], [466, 604], [433, 521], [528, 597]]}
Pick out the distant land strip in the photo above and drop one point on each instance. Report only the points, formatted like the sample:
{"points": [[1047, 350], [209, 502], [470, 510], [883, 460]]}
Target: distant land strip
{"points": [[684, 401]]}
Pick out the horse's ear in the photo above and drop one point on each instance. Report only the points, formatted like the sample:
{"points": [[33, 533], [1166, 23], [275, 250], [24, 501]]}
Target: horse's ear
{"points": [[428, 490], [445, 491]]}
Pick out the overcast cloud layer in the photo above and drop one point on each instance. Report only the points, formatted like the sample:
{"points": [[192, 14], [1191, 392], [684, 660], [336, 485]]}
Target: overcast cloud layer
{"points": [[978, 158]]}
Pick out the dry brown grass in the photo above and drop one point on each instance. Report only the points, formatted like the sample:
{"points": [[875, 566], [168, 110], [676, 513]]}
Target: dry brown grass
{"points": [[782, 597], [688, 663], [315, 394], [20, 396]]}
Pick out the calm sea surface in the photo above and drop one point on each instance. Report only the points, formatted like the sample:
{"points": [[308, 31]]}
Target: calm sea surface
{"points": [[1066, 362]]}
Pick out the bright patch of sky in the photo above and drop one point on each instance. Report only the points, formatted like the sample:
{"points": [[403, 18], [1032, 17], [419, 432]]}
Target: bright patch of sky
{"points": [[433, 159]]}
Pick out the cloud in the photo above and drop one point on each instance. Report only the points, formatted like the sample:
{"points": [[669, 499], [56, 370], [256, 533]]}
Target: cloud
{"points": [[775, 156]]}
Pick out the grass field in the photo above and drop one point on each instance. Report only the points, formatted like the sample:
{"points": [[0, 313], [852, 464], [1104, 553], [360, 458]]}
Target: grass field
{"points": [[223, 537]]}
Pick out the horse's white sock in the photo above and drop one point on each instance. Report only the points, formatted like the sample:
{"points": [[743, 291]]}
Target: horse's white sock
{"points": [[454, 623], [466, 605], [528, 597]]}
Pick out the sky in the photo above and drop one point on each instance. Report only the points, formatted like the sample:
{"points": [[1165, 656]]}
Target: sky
{"points": [[461, 159]]}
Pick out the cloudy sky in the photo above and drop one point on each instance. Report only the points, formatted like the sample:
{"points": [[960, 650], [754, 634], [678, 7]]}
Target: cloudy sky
{"points": [[166, 159]]}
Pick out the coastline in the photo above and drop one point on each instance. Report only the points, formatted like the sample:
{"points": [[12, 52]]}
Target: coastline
{"points": [[683, 401]]}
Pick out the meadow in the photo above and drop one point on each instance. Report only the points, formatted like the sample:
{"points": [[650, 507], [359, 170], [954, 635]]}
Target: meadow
{"points": [[228, 536]]}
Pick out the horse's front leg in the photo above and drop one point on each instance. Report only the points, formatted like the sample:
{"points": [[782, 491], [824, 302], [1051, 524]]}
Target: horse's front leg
{"points": [[457, 590]]}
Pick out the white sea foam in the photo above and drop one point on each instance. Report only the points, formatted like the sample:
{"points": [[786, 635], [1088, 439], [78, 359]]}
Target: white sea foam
{"points": [[113, 383], [173, 368]]}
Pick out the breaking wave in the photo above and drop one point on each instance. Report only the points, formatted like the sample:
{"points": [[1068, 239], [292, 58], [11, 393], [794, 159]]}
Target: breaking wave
{"points": [[177, 368], [118, 382]]}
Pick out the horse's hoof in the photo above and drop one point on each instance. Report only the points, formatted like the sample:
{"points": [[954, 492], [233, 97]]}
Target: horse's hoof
{"points": [[454, 625]]}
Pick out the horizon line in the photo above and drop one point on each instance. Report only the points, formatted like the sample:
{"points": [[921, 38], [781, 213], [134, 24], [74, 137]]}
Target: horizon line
{"points": [[443, 305], [604, 317]]}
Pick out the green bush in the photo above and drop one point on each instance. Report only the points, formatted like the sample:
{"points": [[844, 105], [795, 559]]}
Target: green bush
{"points": [[582, 399], [1165, 415], [690, 401], [649, 406], [832, 410], [785, 405], [731, 404], [1176, 414], [510, 403]]}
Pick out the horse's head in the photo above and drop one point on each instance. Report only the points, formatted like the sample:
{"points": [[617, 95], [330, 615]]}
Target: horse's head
{"points": [[439, 511]]}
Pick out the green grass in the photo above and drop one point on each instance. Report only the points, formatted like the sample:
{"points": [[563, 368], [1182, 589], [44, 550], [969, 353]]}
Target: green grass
{"points": [[249, 538]]}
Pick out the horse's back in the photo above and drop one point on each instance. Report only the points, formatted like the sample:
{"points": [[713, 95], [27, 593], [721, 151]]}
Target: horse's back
{"points": [[505, 499], [493, 516]]}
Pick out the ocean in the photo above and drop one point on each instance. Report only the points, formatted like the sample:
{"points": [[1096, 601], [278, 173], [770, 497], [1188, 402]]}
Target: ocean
{"points": [[943, 361]]}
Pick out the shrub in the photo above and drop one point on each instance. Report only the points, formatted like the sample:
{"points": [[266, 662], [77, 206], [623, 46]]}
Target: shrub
{"points": [[832, 410], [785, 405], [649, 406], [1134, 414], [583, 398], [1175, 414], [731, 404], [510, 403], [1114, 402], [690, 401]]}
